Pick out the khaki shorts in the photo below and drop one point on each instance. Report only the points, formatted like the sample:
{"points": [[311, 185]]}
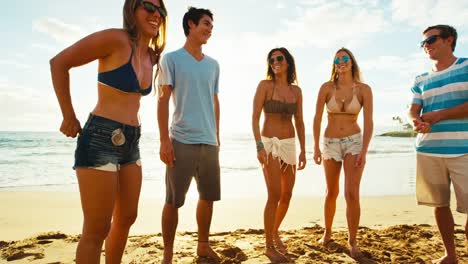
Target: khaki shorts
{"points": [[433, 178], [337, 148], [193, 160]]}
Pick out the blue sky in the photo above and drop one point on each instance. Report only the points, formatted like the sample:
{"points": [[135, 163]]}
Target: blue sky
{"points": [[383, 35]]}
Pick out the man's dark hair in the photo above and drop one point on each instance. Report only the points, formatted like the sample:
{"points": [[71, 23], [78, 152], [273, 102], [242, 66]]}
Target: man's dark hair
{"points": [[194, 14], [445, 32]]}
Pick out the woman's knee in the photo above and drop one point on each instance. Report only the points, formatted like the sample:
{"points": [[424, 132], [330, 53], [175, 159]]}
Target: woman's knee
{"points": [[285, 197], [96, 231], [274, 197], [332, 193], [126, 220], [352, 197]]}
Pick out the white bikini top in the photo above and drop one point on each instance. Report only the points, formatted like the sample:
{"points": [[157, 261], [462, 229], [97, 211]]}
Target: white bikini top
{"points": [[351, 108]]}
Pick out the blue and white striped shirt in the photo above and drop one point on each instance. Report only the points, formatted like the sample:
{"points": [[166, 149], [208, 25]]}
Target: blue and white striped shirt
{"points": [[437, 91]]}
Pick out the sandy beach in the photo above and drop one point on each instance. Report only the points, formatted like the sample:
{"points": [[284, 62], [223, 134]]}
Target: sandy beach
{"points": [[43, 227]]}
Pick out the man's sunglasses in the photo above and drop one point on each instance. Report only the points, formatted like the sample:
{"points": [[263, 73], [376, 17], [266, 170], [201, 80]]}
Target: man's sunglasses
{"points": [[430, 40], [278, 59], [150, 8], [344, 59]]}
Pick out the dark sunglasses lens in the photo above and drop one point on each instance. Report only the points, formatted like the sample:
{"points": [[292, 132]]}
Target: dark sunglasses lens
{"points": [[337, 61], [149, 7], [162, 11], [280, 58], [272, 60], [431, 39], [345, 59]]}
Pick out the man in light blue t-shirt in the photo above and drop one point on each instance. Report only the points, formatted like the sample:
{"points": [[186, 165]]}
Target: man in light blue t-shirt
{"points": [[190, 147], [439, 111]]}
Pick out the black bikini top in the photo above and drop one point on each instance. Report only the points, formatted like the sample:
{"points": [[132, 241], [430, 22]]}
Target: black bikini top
{"points": [[124, 78]]}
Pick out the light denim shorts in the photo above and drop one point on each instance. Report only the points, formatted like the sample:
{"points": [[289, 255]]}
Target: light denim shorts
{"points": [[338, 148]]}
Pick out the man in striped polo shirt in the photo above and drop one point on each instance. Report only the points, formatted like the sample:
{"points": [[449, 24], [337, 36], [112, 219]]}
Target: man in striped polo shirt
{"points": [[439, 112]]}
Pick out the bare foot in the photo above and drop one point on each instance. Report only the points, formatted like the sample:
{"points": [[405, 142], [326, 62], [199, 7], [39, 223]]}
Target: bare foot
{"points": [[204, 250], [274, 255], [325, 239], [445, 260], [280, 246], [355, 252]]}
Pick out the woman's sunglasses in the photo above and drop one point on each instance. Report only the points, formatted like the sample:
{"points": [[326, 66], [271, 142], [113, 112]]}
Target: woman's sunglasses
{"points": [[344, 59], [278, 59], [430, 40], [151, 8]]}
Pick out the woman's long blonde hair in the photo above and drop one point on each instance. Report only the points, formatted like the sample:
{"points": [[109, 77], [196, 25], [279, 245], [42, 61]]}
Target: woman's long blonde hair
{"points": [[157, 43], [354, 68]]}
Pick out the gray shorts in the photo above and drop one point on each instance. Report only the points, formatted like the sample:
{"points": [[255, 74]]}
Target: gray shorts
{"points": [[193, 160]]}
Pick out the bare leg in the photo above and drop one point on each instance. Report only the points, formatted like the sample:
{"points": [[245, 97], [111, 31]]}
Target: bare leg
{"points": [[272, 176], [332, 173], [170, 219], [125, 212], [446, 225], [97, 191], [353, 177], [466, 229], [288, 177], [204, 215]]}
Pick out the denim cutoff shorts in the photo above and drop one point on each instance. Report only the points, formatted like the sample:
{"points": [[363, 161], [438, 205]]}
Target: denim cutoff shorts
{"points": [[338, 148], [106, 145]]}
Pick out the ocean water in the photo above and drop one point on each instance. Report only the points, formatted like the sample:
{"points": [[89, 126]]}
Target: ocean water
{"points": [[43, 161]]}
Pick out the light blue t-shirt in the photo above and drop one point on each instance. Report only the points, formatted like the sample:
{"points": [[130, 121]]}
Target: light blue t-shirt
{"points": [[194, 84], [436, 91]]}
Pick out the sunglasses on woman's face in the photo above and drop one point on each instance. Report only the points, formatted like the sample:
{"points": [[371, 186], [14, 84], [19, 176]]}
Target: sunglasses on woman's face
{"points": [[278, 59], [151, 8], [344, 59], [430, 40]]}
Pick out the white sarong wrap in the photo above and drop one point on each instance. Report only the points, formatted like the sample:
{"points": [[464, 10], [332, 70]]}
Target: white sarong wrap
{"points": [[283, 149]]}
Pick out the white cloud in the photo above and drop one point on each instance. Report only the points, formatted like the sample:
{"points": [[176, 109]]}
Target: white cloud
{"points": [[25, 109], [422, 14], [62, 32], [329, 24], [44, 47], [402, 67], [462, 40], [16, 64]]}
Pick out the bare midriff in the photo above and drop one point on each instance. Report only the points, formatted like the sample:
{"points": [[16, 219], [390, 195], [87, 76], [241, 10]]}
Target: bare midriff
{"points": [[278, 125], [118, 105], [341, 125]]}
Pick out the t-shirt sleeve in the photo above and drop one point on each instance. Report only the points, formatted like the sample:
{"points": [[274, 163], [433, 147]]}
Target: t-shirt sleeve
{"points": [[166, 75], [417, 93]]}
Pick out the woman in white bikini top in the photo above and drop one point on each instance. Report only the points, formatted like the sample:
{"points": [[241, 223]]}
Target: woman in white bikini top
{"points": [[342, 107], [343, 144]]}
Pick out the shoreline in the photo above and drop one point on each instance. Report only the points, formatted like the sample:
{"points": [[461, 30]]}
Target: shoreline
{"points": [[26, 214]]}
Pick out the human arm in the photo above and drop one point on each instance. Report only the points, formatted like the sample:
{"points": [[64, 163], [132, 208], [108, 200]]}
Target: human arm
{"points": [[258, 102], [419, 125], [299, 124], [368, 109], [217, 116], [95, 46], [321, 99], [459, 111], [166, 151]]}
